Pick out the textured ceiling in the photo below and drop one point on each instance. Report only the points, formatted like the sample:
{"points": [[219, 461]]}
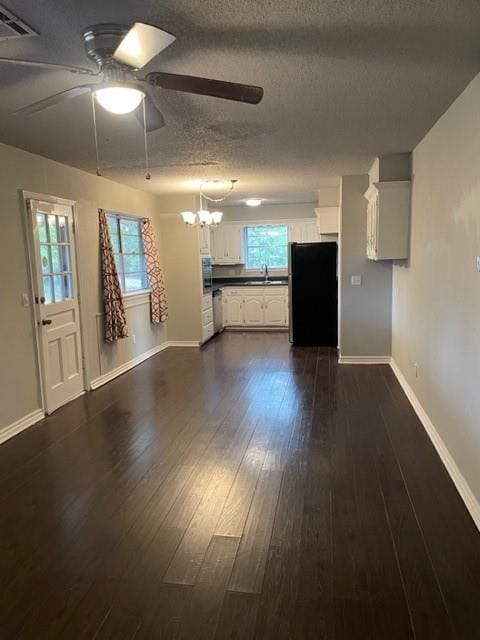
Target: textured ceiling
{"points": [[344, 80]]}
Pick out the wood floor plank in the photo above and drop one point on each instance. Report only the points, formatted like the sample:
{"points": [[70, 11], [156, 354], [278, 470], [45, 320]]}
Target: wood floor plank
{"points": [[291, 497], [202, 617], [249, 566]]}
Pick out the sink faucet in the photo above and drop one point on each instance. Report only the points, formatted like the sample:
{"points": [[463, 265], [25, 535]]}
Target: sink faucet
{"points": [[265, 266]]}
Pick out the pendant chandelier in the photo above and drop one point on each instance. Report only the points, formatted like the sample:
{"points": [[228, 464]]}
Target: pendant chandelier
{"points": [[203, 216]]}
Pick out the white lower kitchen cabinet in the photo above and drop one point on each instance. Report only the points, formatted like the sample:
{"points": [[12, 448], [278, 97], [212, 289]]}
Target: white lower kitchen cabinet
{"points": [[253, 311], [233, 310], [255, 307], [276, 310]]}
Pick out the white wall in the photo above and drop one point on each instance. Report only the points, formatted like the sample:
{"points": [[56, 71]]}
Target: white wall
{"points": [[19, 387], [365, 310], [436, 305]]}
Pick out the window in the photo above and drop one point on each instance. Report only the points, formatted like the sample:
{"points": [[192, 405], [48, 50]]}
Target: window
{"points": [[126, 237], [55, 257], [267, 245]]}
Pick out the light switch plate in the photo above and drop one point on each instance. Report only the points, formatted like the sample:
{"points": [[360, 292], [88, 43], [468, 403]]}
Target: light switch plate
{"points": [[25, 300], [356, 280], [478, 263]]}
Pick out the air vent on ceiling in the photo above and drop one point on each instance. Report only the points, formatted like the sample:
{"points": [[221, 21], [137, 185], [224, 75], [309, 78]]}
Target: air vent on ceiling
{"points": [[13, 27]]}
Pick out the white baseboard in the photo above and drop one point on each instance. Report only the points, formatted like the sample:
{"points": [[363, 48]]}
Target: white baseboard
{"points": [[183, 343], [364, 359], [19, 425], [459, 481], [126, 366]]}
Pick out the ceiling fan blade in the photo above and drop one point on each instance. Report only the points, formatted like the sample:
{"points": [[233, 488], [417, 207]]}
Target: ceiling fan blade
{"points": [[153, 115], [206, 87], [142, 43], [55, 99], [49, 65]]}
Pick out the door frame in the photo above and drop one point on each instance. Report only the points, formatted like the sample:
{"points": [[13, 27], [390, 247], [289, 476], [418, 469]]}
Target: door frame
{"points": [[32, 277]]}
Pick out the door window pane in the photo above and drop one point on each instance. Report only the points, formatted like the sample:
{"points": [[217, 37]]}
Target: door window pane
{"points": [[47, 289], [62, 229], [52, 228], [42, 227], [45, 258], [56, 258], [67, 285], [58, 288], [66, 263]]}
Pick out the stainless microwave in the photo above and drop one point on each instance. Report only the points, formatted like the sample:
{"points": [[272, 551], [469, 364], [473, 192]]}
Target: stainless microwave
{"points": [[207, 274]]}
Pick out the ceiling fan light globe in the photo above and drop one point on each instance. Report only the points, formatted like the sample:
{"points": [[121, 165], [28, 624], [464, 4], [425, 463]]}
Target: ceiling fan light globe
{"points": [[119, 100]]}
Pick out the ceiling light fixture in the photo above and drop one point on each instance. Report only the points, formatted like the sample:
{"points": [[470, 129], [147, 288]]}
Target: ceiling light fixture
{"points": [[119, 100], [253, 202]]}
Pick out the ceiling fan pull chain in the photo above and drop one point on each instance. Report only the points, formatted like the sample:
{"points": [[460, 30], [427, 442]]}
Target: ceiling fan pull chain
{"points": [[147, 167], [98, 172]]}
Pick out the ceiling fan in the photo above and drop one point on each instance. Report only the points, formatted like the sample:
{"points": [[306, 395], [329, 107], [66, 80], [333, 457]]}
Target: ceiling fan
{"points": [[119, 54]]}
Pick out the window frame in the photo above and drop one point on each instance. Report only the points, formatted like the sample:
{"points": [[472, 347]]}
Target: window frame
{"points": [[121, 273], [265, 224]]}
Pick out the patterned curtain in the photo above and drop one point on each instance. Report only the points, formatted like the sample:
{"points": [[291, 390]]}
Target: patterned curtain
{"points": [[158, 297], [115, 319]]}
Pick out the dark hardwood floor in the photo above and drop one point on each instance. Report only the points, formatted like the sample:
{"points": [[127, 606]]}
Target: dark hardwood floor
{"points": [[246, 490]]}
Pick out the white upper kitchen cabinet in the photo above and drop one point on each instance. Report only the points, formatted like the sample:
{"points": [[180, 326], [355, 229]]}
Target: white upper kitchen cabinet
{"points": [[328, 220], [303, 231], [388, 220], [227, 244]]}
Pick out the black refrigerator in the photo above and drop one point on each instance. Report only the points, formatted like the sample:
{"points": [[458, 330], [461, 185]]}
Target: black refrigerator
{"points": [[312, 280]]}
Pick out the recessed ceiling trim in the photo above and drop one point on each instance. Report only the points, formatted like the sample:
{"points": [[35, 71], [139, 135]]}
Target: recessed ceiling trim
{"points": [[13, 27]]}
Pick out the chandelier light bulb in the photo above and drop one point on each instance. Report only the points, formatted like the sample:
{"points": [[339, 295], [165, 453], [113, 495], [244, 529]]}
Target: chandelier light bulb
{"points": [[189, 217], [205, 217], [217, 217]]}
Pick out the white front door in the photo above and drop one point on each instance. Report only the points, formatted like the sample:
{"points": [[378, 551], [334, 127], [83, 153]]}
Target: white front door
{"points": [[56, 297]]}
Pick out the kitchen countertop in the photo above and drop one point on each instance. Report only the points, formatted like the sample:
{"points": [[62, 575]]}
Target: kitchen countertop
{"points": [[220, 283]]}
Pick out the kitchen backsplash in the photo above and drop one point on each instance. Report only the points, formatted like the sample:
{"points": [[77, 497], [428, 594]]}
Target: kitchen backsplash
{"points": [[239, 271]]}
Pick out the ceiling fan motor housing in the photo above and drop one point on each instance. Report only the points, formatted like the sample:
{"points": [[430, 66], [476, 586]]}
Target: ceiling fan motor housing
{"points": [[102, 40]]}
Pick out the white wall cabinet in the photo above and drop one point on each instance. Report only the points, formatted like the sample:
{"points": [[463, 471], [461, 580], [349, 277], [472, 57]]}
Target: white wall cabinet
{"points": [[227, 244], [328, 220], [256, 306], [388, 220], [303, 231]]}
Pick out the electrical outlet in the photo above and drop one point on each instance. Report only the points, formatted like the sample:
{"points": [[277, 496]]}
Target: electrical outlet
{"points": [[478, 263], [356, 280], [25, 300], [134, 338]]}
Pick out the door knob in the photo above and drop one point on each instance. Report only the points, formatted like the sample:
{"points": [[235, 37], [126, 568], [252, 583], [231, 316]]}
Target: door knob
{"points": [[44, 322]]}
